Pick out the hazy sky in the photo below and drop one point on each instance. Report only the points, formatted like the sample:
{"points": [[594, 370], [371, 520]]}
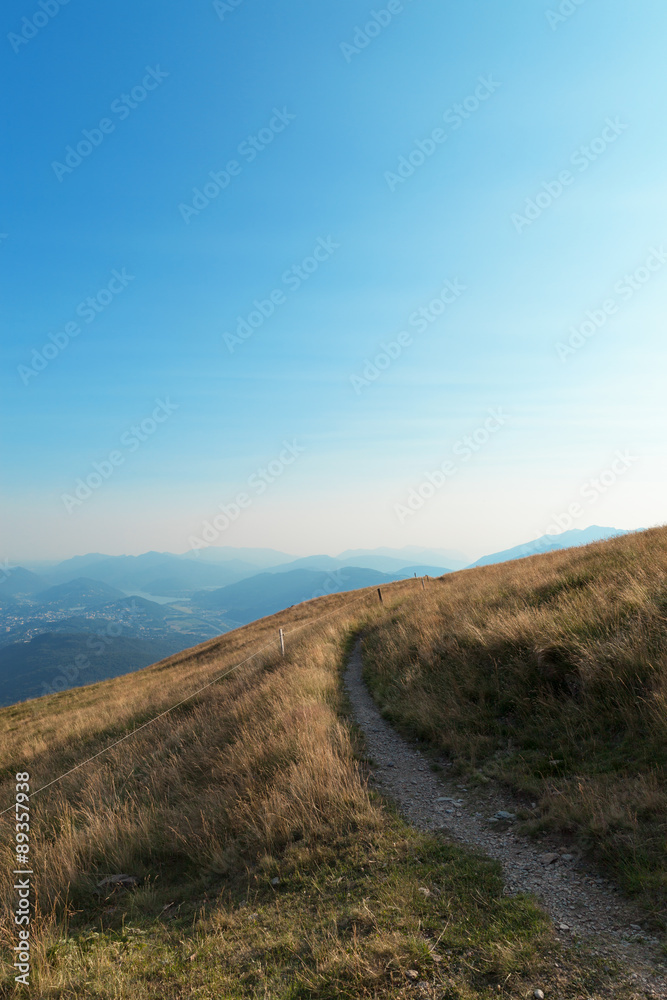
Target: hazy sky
{"points": [[215, 215]]}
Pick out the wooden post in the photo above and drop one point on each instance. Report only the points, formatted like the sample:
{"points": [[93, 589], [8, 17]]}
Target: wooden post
{"points": [[380, 596], [423, 584], [282, 641]]}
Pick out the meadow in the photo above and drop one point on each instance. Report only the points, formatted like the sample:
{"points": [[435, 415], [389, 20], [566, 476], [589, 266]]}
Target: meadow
{"points": [[265, 864]]}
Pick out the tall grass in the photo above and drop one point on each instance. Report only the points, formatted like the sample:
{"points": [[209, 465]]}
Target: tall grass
{"points": [[265, 866], [255, 779], [241, 767], [551, 674]]}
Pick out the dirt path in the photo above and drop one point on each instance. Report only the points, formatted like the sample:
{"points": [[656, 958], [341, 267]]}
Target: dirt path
{"points": [[579, 901]]}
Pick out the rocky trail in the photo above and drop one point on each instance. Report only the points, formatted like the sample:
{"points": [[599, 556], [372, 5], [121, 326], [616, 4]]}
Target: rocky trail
{"points": [[579, 901]]}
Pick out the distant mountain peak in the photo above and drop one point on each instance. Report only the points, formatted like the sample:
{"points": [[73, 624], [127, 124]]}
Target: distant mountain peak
{"points": [[549, 543]]}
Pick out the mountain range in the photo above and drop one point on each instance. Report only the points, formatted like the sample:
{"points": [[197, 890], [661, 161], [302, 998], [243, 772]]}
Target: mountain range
{"points": [[268, 593], [120, 613], [549, 543]]}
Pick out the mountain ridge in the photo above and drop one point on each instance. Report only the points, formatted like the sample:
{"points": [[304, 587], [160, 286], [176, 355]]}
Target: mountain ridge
{"points": [[572, 538]]}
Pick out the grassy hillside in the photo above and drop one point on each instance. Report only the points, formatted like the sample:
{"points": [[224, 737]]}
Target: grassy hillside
{"points": [[550, 674], [265, 867]]}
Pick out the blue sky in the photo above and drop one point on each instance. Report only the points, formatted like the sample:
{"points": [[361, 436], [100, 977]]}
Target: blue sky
{"points": [[333, 123]]}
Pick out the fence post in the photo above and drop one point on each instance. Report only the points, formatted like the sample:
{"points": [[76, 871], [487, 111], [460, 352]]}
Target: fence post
{"points": [[282, 641], [380, 596], [423, 584]]}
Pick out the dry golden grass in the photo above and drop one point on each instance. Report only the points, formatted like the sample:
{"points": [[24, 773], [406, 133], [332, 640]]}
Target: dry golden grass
{"points": [[230, 752], [551, 674], [254, 778]]}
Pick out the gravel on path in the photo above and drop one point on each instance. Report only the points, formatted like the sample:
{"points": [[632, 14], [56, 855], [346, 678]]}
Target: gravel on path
{"points": [[579, 901]]}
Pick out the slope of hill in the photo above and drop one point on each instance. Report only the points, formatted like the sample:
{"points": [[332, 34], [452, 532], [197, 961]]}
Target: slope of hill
{"points": [[20, 582], [419, 570], [549, 674], [56, 661], [77, 566], [263, 864], [549, 543], [267, 593], [120, 636], [81, 592], [137, 608]]}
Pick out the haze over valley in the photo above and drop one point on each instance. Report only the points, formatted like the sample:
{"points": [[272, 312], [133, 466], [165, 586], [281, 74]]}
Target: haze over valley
{"points": [[95, 616]]}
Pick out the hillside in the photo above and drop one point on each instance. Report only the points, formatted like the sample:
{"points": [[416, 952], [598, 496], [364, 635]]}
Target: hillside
{"points": [[267, 593], [549, 675], [61, 659], [265, 864], [81, 591], [21, 582], [550, 543]]}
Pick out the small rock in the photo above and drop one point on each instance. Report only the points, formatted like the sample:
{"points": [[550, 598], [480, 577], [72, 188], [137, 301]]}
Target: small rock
{"points": [[567, 857], [503, 814], [549, 859], [538, 994], [389, 763], [424, 890], [412, 974], [493, 819], [563, 927], [275, 881]]}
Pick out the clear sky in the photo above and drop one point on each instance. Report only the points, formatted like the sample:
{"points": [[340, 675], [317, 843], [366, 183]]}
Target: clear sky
{"points": [[365, 157]]}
